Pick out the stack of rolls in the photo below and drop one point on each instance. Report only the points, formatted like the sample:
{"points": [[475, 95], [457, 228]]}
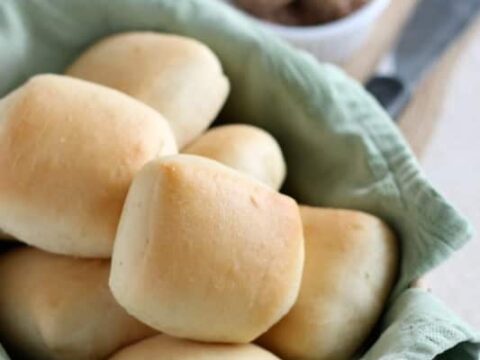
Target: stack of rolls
{"points": [[136, 251]]}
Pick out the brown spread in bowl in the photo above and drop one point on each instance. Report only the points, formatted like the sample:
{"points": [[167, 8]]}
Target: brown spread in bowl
{"points": [[300, 12]]}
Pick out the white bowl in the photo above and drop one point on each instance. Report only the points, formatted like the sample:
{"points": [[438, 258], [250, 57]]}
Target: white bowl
{"points": [[334, 41]]}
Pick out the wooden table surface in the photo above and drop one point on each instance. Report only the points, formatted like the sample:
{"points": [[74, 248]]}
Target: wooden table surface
{"points": [[442, 126]]}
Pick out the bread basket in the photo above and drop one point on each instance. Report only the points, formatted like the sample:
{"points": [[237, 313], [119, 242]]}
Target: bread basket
{"points": [[341, 148]]}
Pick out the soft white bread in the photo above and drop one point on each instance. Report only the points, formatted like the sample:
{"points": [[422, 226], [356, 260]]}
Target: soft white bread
{"points": [[350, 266], [245, 148], [163, 347], [68, 152], [58, 307], [205, 252], [178, 76]]}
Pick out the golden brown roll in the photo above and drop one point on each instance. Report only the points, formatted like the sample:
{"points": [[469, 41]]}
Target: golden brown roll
{"points": [[206, 253], [163, 347], [68, 152], [178, 76], [245, 148], [350, 266], [58, 307]]}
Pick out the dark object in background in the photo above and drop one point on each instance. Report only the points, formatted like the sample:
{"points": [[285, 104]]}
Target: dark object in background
{"points": [[301, 12], [322, 11], [432, 27], [262, 8]]}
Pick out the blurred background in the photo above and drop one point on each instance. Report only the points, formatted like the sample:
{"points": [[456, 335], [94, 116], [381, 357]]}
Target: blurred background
{"points": [[440, 119]]}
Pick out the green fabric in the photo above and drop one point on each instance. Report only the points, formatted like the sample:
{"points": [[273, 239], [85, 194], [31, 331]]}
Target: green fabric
{"points": [[341, 148], [3, 354], [424, 331]]}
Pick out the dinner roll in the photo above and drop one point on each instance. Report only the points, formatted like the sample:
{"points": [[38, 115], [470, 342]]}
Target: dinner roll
{"points": [[68, 153], [245, 148], [58, 307], [178, 76], [350, 266], [169, 348], [206, 253]]}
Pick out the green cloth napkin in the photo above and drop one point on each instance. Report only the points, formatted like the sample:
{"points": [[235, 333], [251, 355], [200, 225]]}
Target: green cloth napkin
{"points": [[341, 148], [419, 327]]}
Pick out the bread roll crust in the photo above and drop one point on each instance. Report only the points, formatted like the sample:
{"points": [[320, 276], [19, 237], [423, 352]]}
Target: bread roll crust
{"points": [[245, 148], [68, 152], [178, 76], [206, 253], [166, 347], [58, 307], [351, 262]]}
